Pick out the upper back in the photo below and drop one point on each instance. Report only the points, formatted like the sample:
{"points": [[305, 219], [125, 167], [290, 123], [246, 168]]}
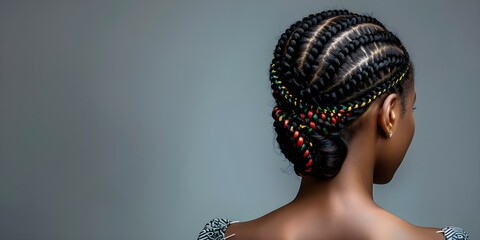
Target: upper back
{"points": [[376, 225]]}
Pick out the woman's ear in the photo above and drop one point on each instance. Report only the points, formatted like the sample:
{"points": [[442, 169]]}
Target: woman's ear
{"points": [[387, 115]]}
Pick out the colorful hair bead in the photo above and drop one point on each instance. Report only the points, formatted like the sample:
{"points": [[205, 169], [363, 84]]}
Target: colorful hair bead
{"points": [[305, 154], [300, 141], [295, 135], [303, 148], [309, 163]]}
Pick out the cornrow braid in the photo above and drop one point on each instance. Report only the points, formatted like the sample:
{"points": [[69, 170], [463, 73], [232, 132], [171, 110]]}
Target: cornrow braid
{"points": [[287, 46], [325, 72]]}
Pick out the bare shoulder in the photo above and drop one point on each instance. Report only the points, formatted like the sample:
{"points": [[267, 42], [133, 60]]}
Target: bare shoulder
{"points": [[389, 226]]}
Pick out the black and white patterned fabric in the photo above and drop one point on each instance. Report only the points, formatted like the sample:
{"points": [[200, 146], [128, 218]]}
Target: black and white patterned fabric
{"points": [[454, 233], [215, 230]]}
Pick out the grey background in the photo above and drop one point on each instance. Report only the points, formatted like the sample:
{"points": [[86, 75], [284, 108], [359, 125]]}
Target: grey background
{"points": [[145, 119]]}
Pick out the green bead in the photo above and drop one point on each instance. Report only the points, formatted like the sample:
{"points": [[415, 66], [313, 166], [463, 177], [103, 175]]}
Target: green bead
{"points": [[302, 149], [315, 117]]}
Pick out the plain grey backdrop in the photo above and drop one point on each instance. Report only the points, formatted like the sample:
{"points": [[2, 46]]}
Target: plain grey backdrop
{"points": [[146, 119]]}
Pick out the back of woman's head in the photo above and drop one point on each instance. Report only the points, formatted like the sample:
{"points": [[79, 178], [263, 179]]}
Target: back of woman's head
{"points": [[327, 69]]}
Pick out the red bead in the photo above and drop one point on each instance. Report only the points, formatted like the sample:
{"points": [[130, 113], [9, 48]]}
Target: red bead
{"points": [[305, 154], [302, 115], [323, 116], [308, 170], [295, 135], [285, 123], [312, 125], [310, 114], [300, 141], [342, 111], [334, 120], [309, 163], [341, 119]]}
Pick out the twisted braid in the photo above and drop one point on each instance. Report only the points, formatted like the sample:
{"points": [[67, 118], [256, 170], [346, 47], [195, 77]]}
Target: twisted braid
{"points": [[326, 70]]}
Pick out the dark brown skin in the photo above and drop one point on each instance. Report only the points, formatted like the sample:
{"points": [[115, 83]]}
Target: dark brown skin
{"points": [[343, 208]]}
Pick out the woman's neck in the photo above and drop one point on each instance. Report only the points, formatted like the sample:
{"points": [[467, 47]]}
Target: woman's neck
{"points": [[352, 185]]}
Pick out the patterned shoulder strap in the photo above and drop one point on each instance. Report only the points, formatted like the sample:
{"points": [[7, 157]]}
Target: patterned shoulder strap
{"points": [[454, 233], [215, 229]]}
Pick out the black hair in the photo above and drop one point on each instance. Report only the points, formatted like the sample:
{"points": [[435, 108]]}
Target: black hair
{"points": [[327, 69]]}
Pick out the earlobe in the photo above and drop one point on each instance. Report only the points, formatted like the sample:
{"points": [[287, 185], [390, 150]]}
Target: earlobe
{"points": [[386, 116]]}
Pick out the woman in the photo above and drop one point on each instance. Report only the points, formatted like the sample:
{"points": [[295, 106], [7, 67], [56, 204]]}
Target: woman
{"points": [[344, 89]]}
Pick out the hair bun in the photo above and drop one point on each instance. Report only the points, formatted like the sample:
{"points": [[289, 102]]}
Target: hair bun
{"points": [[310, 152], [330, 154]]}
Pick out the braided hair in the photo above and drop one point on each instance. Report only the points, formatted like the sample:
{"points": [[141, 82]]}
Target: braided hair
{"points": [[326, 70]]}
